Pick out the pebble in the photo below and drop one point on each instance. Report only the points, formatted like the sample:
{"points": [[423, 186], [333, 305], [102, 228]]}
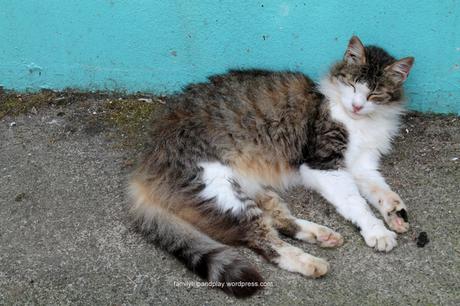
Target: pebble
{"points": [[147, 100], [54, 121]]}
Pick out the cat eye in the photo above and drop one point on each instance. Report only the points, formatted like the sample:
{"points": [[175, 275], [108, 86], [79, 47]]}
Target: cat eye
{"points": [[343, 79]]}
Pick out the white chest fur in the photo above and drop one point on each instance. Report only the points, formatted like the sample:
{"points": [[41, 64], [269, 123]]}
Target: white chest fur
{"points": [[368, 135]]}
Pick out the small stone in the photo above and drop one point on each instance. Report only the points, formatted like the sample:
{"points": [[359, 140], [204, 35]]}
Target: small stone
{"points": [[146, 100], [20, 197], [54, 121], [33, 110]]}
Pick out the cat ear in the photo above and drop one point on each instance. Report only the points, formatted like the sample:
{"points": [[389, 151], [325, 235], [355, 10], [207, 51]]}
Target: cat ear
{"points": [[355, 52], [399, 70]]}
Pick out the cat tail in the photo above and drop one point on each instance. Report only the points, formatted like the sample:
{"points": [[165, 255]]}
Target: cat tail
{"points": [[209, 259]]}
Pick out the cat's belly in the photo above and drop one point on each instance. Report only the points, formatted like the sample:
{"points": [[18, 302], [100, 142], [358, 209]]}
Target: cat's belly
{"points": [[252, 175], [256, 174]]}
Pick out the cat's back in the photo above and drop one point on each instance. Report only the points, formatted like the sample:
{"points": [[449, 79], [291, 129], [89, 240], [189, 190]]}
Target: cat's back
{"points": [[256, 85], [238, 109], [259, 92]]}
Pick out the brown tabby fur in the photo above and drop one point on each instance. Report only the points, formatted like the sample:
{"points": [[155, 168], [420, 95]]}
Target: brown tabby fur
{"points": [[261, 124]]}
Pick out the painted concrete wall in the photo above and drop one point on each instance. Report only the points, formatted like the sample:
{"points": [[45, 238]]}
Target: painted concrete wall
{"points": [[141, 45]]}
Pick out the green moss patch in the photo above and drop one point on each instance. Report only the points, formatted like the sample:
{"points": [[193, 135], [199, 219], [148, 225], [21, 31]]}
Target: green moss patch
{"points": [[127, 117], [131, 118], [14, 104]]}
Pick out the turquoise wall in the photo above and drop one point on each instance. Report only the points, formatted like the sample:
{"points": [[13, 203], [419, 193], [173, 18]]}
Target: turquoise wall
{"points": [[159, 46]]}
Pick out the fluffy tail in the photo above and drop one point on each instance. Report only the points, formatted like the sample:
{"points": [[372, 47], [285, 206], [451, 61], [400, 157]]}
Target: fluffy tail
{"points": [[206, 257]]}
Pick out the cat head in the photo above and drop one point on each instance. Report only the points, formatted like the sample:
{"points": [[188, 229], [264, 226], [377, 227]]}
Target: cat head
{"points": [[368, 79]]}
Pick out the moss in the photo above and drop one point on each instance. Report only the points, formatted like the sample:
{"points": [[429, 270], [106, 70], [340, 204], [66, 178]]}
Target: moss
{"points": [[130, 117], [14, 104]]}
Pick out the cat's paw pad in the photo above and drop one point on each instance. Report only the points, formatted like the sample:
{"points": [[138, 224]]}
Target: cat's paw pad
{"points": [[329, 239], [395, 212], [380, 238], [397, 220]]}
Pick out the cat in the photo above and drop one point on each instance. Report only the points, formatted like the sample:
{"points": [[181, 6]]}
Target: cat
{"points": [[223, 149]]}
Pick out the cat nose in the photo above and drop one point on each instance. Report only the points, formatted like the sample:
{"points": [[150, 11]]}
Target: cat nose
{"points": [[357, 108]]}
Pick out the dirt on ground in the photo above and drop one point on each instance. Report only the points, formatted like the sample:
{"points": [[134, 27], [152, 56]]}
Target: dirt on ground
{"points": [[65, 237]]}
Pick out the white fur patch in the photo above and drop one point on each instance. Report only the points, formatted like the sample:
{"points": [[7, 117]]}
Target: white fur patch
{"points": [[295, 260], [315, 233], [307, 230], [339, 188], [371, 132], [380, 238], [218, 179]]}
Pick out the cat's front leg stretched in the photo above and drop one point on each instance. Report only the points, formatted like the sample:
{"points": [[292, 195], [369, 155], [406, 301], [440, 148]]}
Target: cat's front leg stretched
{"points": [[339, 188], [373, 187]]}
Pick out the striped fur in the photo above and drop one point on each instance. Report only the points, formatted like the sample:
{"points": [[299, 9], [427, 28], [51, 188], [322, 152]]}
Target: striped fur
{"points": [[221, 150], [209, 259]]}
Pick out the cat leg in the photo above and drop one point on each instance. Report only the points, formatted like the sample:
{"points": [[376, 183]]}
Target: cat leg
{"points": [[230, 200], [263, 239], [282, 220], [373, 187], [339, 188]]}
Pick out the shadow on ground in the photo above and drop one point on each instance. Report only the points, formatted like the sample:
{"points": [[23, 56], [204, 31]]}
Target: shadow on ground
{"points": [[65, 236]]}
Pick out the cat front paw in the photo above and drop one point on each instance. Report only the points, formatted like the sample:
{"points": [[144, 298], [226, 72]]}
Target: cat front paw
{"points": [[380, 238], [395, 212], [397, 220]]}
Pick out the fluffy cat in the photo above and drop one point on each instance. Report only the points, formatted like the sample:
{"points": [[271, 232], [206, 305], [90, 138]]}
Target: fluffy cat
{"points": [[222, 150]]}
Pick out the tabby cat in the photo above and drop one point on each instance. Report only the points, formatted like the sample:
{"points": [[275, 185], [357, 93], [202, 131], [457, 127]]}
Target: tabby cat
{"points": [[223, 149]]}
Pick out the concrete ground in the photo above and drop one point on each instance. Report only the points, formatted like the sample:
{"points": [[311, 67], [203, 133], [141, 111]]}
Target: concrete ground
{"points": [[65, 237]]}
